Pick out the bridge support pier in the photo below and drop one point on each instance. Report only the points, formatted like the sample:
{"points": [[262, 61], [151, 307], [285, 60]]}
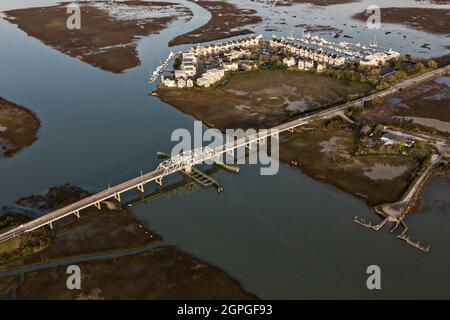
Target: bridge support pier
{"points": [[77, 214], [51, 225], [117, 197], [188, 169], [141, 188], [159, 181], [98, 205], [291, 130]]}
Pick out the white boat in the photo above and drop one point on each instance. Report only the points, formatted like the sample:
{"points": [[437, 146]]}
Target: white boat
{"points": [[291, 35]]}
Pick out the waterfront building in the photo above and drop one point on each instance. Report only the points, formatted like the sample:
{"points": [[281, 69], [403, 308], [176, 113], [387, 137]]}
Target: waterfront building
{"points": [[181, 83], [226, 46], [320, 67], [301, 65], [309, 64], [180, 74], [289, 61], [379, 58], [230, 65], [210, 77], [233, 54], [168, 82], [189, 69], [248, 65]]}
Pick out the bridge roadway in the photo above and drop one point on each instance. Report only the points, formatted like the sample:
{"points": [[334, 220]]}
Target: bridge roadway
{"points": [[182, 162]]}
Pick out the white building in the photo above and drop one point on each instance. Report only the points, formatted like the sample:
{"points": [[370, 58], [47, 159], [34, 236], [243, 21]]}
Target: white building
{"points": [[301, 65], [189, 57], [168, 82], [309, 64], [320, 67], [319, 56], [203, 82], [180, 74], [248, 65], [181, 83], [289, 62], [379, 58], [226, 46], [230, 65], [210, 77], [189, 69], [338, 60], [233, 54]]}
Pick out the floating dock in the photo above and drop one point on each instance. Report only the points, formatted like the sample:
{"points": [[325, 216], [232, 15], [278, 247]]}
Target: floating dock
{"points": [[155, 74]]}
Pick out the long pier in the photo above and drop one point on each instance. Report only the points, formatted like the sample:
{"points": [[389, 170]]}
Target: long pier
{"points": [[185, 161]]}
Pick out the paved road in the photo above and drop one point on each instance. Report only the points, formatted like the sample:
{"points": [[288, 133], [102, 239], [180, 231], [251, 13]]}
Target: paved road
{"points": [[159, 173]]}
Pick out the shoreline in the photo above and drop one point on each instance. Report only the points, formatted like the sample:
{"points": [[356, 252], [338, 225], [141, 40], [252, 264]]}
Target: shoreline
{"points": [[227, 20], [114, 50], [141, 252], [17, 118], [433, 20]]}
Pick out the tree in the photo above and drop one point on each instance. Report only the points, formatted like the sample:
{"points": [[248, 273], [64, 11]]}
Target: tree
{"points": [[432, 64], [400, 75], [398, 65], [316, 105], [375, 71], [382, 85], [419, 67]]}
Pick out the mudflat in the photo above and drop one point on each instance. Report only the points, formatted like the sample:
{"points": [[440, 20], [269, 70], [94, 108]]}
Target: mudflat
{"points": [[108, 33], [162, 273], [260, 98], [327, 154], [158, 273], [432, 20], [18, 128]]}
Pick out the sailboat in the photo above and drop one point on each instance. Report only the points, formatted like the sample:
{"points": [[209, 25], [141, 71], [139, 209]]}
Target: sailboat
{"points": [[291, 35], [374, 44]]}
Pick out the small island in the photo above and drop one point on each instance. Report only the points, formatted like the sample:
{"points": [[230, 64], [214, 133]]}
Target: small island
{"points": [[18, 128], [109, 31]]}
